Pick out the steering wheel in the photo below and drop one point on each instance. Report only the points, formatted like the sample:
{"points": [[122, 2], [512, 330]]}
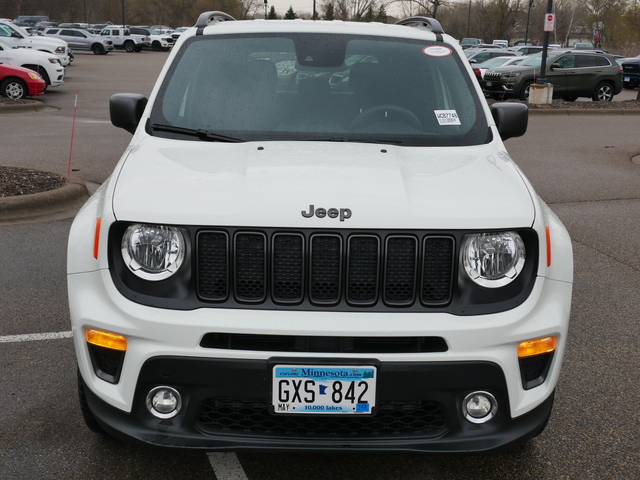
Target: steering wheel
{"points": [[385, 113]]}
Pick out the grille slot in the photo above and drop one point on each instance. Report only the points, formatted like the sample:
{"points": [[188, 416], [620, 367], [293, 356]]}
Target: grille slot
{"points": [[349, 269], [250, 267], [288, 268]]}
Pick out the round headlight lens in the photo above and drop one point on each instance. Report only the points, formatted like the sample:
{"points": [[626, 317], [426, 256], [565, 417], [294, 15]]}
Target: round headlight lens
{"points": [[493, 259], [153, 252]]}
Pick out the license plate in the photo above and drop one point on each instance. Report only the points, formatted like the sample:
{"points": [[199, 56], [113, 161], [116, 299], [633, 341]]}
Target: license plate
{"points": [[625, 79], [489, 84], [321, 389]]}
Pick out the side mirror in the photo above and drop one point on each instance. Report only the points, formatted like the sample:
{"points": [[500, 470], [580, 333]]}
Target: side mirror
{"points": [[126, 110], [554, 65], [511, 119]]}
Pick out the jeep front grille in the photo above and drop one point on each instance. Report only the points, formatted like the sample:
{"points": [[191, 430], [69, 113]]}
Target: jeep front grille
{"points": [[325, 269]]}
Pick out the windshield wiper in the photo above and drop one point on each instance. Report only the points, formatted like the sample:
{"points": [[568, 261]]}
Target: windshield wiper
{"points": [[200, 133], [361, 140]]}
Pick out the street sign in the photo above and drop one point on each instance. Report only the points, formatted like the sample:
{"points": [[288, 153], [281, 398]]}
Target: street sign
{"points": [[549, 22]]}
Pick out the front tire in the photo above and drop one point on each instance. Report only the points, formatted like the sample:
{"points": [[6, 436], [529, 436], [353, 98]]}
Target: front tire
{"points": [[87, 415], [603, 93], [526, 91], [156, 47], [13, 88], [97, 49]]}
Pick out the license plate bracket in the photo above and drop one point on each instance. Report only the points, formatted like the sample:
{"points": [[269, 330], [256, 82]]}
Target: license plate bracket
{"points": [[321, 389]]}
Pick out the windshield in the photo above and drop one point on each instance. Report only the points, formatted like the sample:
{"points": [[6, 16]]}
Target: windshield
{"points": [[535, 60], [494, 62], [318, 87]]}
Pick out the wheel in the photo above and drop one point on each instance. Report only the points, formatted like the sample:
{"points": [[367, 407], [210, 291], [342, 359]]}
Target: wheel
{"points": [[569, 98], [526, 90], [603, 93], [385, 112], [97, 49], [87, 415], [129, 46], [156, 46], [13, 88]]}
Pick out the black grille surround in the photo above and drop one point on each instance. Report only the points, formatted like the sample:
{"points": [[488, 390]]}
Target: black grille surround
{"points": [[328, 270]]}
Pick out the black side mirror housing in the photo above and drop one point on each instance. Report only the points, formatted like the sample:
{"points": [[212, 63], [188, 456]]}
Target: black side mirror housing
{"points": [[126, 110], [512, 119]]}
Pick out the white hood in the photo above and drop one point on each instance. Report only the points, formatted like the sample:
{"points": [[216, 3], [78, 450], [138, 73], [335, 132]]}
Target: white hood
{"points": [[270, 184]]}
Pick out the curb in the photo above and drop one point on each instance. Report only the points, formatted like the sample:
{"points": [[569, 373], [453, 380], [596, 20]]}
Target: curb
{"points": [[33, 105], [25, 207]]}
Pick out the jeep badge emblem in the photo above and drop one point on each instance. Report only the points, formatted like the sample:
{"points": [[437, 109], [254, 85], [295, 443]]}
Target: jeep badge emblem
{"points": [[343, 213]]}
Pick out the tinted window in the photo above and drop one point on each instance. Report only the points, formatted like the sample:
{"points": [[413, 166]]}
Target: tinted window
{"points": [[321, 87], [602, 61], [583, 61], [51, 31], [68, 33]]}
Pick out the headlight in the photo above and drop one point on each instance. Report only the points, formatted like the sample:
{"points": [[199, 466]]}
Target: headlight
{"points": [[53, 60], [34, 76], [153, 252], [493, 260], [60, 50], [511, 74]]}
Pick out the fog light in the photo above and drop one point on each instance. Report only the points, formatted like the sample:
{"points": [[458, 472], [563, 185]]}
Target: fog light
{"points": [[164, 402], [479, 407]]}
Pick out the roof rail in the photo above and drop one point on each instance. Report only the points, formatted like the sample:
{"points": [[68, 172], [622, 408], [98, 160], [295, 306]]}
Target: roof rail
{"points": [[207, 18], [423, 22]]}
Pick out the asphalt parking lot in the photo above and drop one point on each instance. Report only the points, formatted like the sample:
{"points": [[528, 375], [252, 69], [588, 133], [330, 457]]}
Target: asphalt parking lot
{"points": [[580, 165]]}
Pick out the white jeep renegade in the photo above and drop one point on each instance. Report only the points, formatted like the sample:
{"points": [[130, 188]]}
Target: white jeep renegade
{"points": [[317, 240]]}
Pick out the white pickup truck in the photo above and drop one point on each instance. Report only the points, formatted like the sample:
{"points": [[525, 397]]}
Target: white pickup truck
{"points": [[123, 39], [19, 37]]}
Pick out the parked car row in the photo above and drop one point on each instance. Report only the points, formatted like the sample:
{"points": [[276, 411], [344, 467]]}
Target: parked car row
{"points": [[47, 54], [573, 74]]}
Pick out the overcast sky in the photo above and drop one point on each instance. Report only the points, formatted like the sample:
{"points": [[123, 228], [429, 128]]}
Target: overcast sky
{"points": [[299, 6]]}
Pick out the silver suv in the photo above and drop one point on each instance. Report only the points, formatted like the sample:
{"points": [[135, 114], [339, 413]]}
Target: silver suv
{"points": [[79, 39]]}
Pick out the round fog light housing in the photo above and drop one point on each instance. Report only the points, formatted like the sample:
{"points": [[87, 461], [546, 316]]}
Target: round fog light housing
{"points": [[164, 402], [479, 407]]}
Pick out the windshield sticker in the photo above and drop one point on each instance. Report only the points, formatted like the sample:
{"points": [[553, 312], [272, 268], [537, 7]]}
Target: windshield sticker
{"points": [[447, 117], [437, 51]]}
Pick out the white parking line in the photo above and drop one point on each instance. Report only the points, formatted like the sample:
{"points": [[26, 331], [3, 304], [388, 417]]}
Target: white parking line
{"points": [[35, 336], [226, 466]]}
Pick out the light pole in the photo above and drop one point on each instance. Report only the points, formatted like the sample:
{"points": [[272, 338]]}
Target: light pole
{"points": [[542, 78], [526, 35], [469, 20]]}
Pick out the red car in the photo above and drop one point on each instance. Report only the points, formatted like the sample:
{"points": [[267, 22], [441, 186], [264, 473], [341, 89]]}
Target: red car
{"points": [[18, 82]]}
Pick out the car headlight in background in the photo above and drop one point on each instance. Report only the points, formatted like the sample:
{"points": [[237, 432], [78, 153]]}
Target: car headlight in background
{"points": [[153, 252], [511, 74], [495, 259], [60, 50], [53, 60]]}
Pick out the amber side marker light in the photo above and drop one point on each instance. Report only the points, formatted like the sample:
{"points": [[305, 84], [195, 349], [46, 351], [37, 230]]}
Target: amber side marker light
{"points": [[96, 238], [536, 347], [109, 340], [548, 246]]}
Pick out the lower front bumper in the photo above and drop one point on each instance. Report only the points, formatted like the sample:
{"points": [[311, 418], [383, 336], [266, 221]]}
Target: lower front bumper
{"points": [[226, 407]]}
